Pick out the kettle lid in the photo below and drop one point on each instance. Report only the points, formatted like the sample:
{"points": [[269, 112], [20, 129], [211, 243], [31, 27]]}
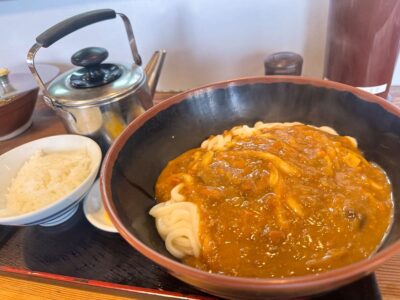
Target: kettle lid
{"points": [[94, 82]]}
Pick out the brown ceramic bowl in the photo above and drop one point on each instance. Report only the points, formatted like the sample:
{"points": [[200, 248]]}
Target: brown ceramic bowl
{"points": [[137, 157], [16, 114]]}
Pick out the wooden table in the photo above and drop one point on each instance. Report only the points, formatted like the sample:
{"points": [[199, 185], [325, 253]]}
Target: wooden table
{"points": [[46, 123]]}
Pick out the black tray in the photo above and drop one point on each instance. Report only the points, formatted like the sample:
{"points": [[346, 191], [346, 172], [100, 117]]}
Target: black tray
{"points": [[77, 249]]}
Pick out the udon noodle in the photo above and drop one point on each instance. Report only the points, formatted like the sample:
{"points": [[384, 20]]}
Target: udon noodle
{"points": [[273, 200], [177, 222]]}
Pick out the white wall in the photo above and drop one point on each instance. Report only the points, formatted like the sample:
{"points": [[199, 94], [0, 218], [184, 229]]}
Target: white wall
{"points": [[206, 40]]}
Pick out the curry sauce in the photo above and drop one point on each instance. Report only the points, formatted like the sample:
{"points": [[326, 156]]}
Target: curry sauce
{"points": [[281, 201]]}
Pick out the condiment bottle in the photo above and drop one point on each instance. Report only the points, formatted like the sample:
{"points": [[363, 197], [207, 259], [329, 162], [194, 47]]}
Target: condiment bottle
{"points": [[283, 63], [363, 43]]}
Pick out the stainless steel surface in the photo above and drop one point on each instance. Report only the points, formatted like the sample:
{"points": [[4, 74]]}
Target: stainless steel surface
{"points": [[153, 69], [31, 64], [103, 112], [131, 39], [105, 121], [61, 91]]}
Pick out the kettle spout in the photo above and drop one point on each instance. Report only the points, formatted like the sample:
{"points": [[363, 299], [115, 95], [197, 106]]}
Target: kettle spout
{"points": [[153, 69]]}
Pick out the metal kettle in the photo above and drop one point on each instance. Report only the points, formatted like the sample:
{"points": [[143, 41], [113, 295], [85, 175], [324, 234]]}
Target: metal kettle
{"points": [[97, 99]]}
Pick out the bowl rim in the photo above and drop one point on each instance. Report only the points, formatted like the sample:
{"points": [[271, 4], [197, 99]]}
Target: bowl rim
{"points": [[340, 275], [96, 161]]}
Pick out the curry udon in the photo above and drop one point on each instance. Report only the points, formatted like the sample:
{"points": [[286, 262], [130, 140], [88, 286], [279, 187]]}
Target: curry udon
{"points": [[273, 200]]}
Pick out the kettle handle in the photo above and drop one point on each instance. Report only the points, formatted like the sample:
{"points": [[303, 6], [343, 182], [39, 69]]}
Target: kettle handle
{"points": [[58, 31]]}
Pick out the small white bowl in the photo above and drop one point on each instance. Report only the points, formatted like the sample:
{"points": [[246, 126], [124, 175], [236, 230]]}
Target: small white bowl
{"points": [[64, 208], [94, 210]]}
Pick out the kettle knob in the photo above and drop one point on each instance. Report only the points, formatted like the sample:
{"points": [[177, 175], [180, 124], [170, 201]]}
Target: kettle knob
{"points": [[89, 57], [93, 73]]}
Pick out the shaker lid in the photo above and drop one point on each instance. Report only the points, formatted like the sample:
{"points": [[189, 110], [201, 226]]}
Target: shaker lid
{"points": [[94, 82], [283, 63], [19, 80]]}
